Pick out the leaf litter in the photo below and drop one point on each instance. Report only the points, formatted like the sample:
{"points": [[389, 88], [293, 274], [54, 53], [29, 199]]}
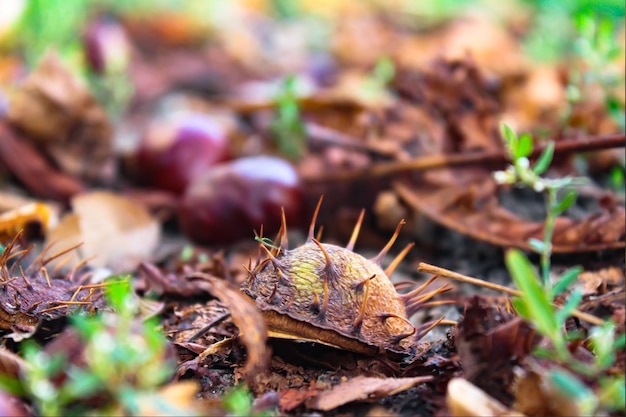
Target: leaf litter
{"points": [[403, 122]]}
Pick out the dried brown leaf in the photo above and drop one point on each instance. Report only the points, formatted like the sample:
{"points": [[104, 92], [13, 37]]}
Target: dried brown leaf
{"points": [[56, 109], [116, 232], [363, 388], [476, 213], [253, 331]]}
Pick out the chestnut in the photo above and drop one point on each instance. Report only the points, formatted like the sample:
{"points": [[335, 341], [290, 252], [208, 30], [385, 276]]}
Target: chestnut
{"points": [[106, 46], [174, 150], [230, 201]]}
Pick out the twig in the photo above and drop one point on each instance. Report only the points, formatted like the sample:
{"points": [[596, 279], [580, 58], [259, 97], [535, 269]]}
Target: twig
{"points": [[561, 147], [432, 269]]}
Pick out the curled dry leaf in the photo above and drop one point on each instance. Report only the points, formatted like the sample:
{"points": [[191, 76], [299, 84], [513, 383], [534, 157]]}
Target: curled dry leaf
{"points": [[252, 328], [57, 110], [33, 170], [115, 231], [43, 215], [474, 210], [593, 282], [363, 388]]}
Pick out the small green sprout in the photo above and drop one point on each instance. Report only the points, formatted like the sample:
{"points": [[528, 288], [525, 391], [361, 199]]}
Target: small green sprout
{"points": [[288, 128], [238, 401], [598, 49], [124, 361], [521, 173], [536, 304], [376, 84]]}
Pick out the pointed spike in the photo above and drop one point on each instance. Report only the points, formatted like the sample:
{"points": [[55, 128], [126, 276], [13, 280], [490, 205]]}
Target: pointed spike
{"points": [[314, 219], [284, 243], [278, 243], [45, 274], [272, 296], [414, 293], [258, 252], [325, 253], [359, 320], [412, 305], [355, 231], [9, 248], [425, 297], [398, 259], [36, 263], [249, 271], [18, 261], [315, 305], [49, 259], [271, 257], [75, 268], [318, 235], [29, 286], [379, 258], [398, 338], [34, 306], [359, 284], [282, 278], [425, 328], [414, 308], [79, 289], [404, 284]]}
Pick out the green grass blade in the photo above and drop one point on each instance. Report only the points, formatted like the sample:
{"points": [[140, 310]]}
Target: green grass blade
{"points": [[570, 305], [536, 299], [567, 278], [543, 162]]}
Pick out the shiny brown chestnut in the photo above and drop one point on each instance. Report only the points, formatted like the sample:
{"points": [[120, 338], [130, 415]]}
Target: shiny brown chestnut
{"points": [[229, 201], [173, 151]]}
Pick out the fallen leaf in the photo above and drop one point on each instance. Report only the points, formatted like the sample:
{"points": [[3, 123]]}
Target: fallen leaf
{"points": [[253, 331], [58, 111], [33, 170], [12, 221], [362, 388], [116, 232], [293, 398]]}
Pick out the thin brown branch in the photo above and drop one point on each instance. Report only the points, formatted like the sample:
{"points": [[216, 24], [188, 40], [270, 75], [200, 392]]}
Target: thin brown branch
{"points": [[432, 269], [561, 147]]}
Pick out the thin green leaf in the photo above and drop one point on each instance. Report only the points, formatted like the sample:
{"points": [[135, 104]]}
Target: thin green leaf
{"points": [[537, 245], [575, 389], [12, 385], [613, 393], [544, 160], [565, 203], [510, 139], [566, 279], [570, 305], [536, 298], [603, 342], [524, 146], [521, 308]]}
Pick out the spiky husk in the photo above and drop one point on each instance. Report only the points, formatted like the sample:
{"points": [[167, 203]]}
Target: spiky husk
{"points": [[331, 288]]}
